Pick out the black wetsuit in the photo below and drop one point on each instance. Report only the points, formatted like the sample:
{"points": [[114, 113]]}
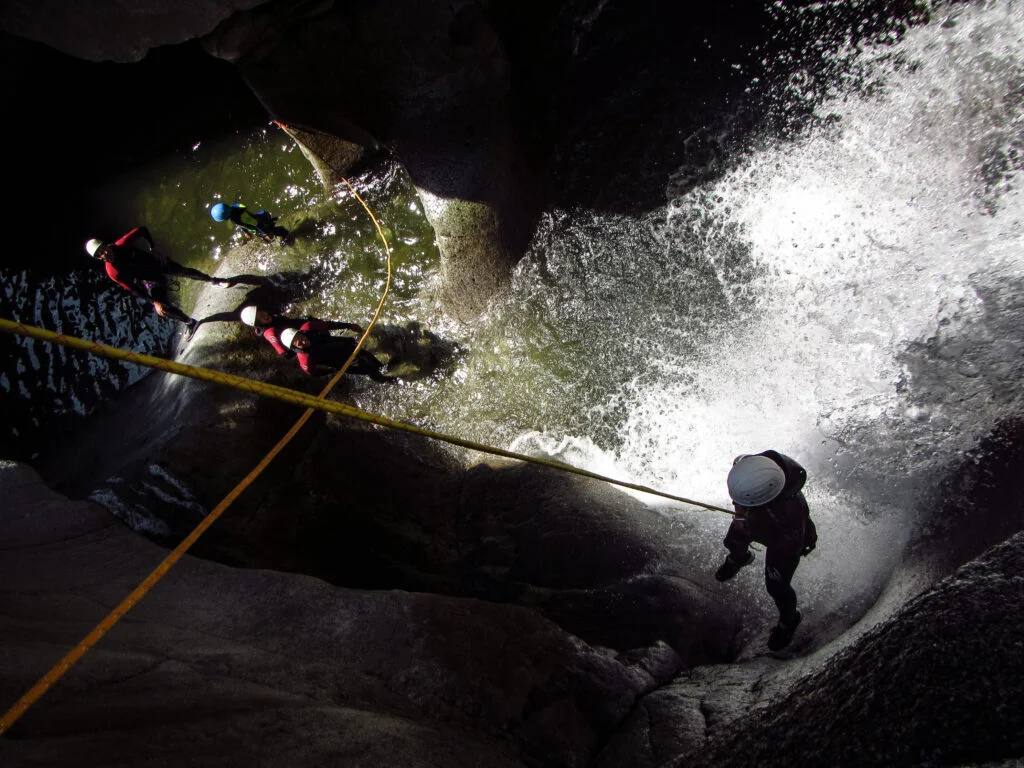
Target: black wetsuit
{"points": [[784, 526]]}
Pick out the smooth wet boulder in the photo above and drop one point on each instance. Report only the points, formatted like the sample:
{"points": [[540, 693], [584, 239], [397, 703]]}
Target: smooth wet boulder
{"points": [[221, 665], [431, 82]]}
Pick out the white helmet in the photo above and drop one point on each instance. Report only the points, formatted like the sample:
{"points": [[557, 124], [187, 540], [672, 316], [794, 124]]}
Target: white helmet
{"points": [[287, 335], [755, 480], [93, 245], [248, 315]]}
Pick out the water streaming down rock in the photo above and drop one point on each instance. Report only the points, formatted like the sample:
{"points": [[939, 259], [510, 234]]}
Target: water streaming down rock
{"points": [[672, 389], [850, 296], [844, 294]]}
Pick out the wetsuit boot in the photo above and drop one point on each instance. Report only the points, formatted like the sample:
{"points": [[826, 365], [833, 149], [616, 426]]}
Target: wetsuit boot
{"points": [[782, 634], [731, 567]]}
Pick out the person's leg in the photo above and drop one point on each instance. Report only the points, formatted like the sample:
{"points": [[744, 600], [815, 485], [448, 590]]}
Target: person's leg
{"points": [[174, 268], [158, 292], [372, 367], [737, 541], [335, 352], [778, 573], [174, 313], [266, 225]]}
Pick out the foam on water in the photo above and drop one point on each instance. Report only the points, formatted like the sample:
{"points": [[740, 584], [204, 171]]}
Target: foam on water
{"points": [[877, 344], [849, 298]]}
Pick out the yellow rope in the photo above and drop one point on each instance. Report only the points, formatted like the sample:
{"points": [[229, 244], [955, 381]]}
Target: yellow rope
{"points": [[62, 666], [266, 390], [278, 393], [329, 406]]}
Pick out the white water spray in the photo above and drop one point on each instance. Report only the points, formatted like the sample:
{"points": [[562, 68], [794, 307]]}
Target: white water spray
{"points": [[848, 298]]}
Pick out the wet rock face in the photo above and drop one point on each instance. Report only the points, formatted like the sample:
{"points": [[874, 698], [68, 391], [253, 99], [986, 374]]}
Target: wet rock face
{"points": [[284, 668], [939, 684], [115, 31]]}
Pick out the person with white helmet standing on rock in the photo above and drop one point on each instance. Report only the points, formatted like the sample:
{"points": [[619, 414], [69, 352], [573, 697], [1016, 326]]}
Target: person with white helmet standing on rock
{"points": [[271, 327], [319, 353], [767, 494], [133, 262]]}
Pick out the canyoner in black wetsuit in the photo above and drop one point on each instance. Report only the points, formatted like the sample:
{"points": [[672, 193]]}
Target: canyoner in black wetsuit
{"points": [[767, 494]]}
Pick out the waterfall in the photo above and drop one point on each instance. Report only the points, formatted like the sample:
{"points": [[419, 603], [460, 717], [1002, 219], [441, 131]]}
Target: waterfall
{"points": [[850, 296]]}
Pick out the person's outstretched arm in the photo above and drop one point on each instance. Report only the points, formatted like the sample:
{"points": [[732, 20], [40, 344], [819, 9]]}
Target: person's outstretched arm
{"points": [[337, 325], [142, 232], [221, 317]]}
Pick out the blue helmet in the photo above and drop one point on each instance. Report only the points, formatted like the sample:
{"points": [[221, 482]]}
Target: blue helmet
{"points": [[220, 212]]}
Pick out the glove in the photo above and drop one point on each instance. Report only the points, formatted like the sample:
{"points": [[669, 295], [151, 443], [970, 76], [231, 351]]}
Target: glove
{"points": [[810, 538]]}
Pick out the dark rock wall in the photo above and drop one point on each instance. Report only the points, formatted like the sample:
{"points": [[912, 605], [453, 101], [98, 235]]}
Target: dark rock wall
{"points": [[108, 30], [942, 683], [225, 666]]}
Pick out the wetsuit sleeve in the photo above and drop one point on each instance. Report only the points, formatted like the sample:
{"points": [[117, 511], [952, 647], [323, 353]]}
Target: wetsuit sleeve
{"points": [[306, 363], [114, 274], [126, 239], [273, 338], [144, 233], [315, 325], [796, 475], [810, 536]]}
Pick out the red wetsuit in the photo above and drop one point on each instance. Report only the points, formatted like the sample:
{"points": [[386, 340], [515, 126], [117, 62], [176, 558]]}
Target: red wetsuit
{"points": [[272, 333], [132, 266], [326, 353]]}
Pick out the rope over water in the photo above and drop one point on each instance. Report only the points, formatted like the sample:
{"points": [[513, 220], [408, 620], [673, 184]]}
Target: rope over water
{"points": [[278, 393], [329, 406]]}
